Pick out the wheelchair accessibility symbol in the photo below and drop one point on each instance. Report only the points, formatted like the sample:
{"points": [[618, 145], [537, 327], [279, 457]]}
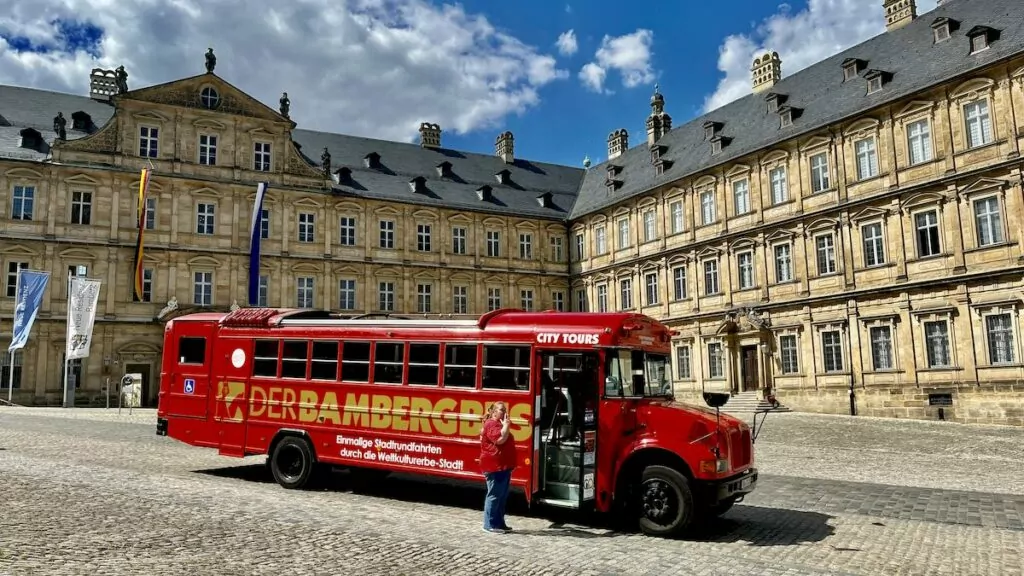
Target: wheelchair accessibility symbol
{"points": [[190, 385]]}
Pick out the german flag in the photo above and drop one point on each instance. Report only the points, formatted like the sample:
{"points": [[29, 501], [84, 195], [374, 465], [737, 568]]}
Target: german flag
{"points": [[143, 188]]}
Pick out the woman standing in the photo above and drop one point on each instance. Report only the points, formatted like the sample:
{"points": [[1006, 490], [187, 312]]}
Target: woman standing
{"points": [[497, 460]]}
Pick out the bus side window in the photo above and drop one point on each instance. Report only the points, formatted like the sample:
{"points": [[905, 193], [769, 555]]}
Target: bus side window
{"points": [[264, 361], [424, 361], [325, 360], [191, 350], [506, 367], [460, 366], [355, 361], [293, 359], [387, 362]]}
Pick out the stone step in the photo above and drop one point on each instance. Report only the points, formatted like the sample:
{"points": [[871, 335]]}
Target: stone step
{"points": [[750, 402]]}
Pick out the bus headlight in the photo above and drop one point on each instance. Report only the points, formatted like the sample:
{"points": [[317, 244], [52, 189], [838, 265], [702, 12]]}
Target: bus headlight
{"points": [[718, 466]]}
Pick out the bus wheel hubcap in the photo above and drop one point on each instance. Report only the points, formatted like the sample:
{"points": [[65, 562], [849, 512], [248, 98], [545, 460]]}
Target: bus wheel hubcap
{"points": [[658, 501], [290, 462]]}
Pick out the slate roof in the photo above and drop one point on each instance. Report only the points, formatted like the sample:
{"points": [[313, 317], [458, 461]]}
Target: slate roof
{"points": [[22, 108], [908, 53]]}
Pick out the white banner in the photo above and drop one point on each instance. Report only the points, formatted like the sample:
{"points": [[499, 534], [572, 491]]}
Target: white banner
{"points": [[83, 297]]}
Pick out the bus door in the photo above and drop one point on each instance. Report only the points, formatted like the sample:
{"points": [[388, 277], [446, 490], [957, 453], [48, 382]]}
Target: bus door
{"points": [[186, 393], [229, 403], [569, 398]]}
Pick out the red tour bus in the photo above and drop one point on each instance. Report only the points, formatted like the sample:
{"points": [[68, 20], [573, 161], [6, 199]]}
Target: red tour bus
{"points": [[594, 420]]}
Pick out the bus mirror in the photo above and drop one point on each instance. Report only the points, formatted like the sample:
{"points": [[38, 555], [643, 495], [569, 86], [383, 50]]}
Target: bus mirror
{"points": [[716, 399]]}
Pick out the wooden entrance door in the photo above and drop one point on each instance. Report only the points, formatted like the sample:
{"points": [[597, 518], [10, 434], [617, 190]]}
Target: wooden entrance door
{"points": [[749, 372]]}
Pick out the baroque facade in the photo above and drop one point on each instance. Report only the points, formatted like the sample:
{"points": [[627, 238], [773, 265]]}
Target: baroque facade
{"points": [[847, 238]]}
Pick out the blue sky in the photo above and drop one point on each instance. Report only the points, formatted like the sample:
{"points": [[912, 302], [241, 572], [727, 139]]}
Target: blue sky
{"points": [[378, 68]]}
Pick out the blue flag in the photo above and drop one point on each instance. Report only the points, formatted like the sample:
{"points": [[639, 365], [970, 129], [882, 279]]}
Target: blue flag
{"points": [[255, 232], [28, 298]]}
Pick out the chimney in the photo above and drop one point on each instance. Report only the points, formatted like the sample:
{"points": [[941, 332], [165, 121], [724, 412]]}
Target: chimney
{"points": [[767, 70], [899, 13], [503, 147], [102, 84], [430, 135], [618, 142]]}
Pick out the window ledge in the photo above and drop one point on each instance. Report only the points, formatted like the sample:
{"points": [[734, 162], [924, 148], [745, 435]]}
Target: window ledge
{"points": [[942, 369], [1004, 244]]}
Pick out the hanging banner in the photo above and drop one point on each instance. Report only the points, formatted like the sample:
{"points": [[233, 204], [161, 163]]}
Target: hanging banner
{"points": [[31, 286], [82, 300]]}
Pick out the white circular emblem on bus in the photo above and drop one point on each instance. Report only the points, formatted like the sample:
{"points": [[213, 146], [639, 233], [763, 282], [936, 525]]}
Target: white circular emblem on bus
{"points": [[238, 358]]}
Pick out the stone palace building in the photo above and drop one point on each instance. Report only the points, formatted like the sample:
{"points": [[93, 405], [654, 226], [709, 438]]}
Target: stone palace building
{"points": [[848, 237]]}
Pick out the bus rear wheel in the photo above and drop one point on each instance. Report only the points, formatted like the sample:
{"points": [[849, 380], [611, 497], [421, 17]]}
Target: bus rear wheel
{"points": [[292, 462], [664, 500]]}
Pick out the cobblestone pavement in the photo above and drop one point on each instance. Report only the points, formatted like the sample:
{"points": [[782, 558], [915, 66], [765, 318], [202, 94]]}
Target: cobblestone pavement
{"points": [[87, 492]]}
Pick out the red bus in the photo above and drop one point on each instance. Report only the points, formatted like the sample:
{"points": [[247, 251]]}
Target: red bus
{"points": [[594, 419]]}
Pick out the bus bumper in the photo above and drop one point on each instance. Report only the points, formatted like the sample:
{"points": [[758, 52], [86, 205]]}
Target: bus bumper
{"points": [[744, 483], [161, 426]]}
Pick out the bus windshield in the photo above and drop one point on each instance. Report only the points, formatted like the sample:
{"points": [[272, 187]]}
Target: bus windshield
{"points": [[637, 373]]}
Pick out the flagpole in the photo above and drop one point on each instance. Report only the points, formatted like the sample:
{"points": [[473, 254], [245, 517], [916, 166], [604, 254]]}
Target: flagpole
{"points": [[10, 375], [66, 337]]}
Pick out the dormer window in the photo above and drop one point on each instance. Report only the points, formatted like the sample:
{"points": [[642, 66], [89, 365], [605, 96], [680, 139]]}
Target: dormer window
{"points": [[718, 143], [444, 169], [942, 28], [852, 67], [418, 184], [372, 160], [484, 193], [876, 79], [31, 139], [613, 170], [661, 166], [544, 200], [981, 37], [656, 151], [503, 177], [80, 121], [711, 128], [786, 117], [344, 173]]}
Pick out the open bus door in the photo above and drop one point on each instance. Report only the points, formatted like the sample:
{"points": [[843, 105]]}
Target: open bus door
{"points": [[569, 397]]}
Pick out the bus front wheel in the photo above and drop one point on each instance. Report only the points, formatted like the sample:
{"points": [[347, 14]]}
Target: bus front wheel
{"points": [[665, 501], [292, 462]]}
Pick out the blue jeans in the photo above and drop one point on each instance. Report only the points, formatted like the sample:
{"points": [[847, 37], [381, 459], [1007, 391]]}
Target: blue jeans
{"points": [[497, 495]]}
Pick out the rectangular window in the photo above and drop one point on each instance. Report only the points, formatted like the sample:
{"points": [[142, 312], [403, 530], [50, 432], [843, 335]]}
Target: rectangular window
{"points": [[988, 220], [581, 300], [307, 227], [460, 365], [150, 214], [623, 233], [324, 365], [304, 292], [683, 363], [979, 124], [626, 293], [716, 363], [874, 244], [205, 218], [506, 367], [386, 296], [264, 223], [651, 285], [493, 243], [423, 298], [355, 361], [493, 299], [12, 277], [207, 149], [745, 265], [867, 158], [602, 298], [676, 208], [423, 237], [526, 300], [202, 288], [387, 234], [820, 180], [999, 332], [6, 369], [191, 350], [600, 242], [23, 202], [679, 283], [881, 347], [264, 290], [580, 247], [789, 355], [81, 208], [388, 362], [460, 299], [783, 263], [710, 277], [147, 286], [347, 294], [526, 246], [936, 336], [459, 235], [650, 226], [347, 231], [741, 197], [779, 185], [919, 142], [832, 350], [261, 156], [825, 245], [927, 226], [148, 141], [707, 207], [558, 300], [424, 364], [557, 253]]}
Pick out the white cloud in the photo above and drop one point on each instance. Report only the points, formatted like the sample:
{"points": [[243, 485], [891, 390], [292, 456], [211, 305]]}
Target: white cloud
{"points": [[567, 43], [823, 29], [629, 54], [367, 67]]}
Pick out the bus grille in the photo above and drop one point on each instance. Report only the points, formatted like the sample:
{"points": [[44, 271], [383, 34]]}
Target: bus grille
{"points": [[739, 448]]}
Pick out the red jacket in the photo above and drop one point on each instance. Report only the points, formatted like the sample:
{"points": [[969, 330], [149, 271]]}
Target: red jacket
{"points": [[496, 457]]}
